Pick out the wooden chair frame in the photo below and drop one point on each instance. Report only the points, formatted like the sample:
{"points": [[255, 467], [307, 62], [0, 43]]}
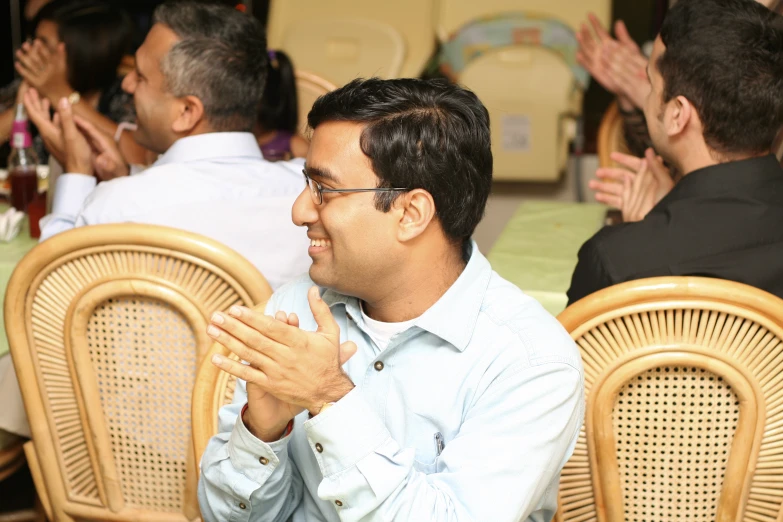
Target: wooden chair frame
{"points": [[214, 389], [725, 328], [96, 263]]}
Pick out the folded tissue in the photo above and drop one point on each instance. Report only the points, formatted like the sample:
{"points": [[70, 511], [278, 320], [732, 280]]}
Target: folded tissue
{"points": [[10, 224]]}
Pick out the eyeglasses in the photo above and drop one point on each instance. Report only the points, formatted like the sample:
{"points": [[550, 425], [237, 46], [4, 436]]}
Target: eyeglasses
{"points": [[317, 191]]}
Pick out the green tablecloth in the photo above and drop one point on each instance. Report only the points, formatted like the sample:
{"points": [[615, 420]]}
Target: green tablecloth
{"points": [[10, 254], [537, 251]]}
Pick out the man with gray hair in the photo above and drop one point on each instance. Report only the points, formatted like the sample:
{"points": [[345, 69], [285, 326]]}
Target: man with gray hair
{"points": [[197, 86]]}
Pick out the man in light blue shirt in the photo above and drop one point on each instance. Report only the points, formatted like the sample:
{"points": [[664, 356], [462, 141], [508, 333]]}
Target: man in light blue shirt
{"points": [[411, 383]]}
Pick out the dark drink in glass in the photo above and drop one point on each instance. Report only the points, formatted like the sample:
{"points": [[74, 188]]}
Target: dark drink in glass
{"points": [[24, 186]]}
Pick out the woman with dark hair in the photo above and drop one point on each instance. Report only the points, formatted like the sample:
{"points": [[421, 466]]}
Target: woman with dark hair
{"points": [[279, 112], [78, 47]]}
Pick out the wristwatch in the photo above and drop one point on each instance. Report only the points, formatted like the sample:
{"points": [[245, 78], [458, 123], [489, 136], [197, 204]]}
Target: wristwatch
{"points": [[74, 98]]}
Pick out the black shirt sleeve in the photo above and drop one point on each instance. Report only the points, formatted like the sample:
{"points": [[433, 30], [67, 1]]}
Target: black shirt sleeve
{"points": [[590, 274]]}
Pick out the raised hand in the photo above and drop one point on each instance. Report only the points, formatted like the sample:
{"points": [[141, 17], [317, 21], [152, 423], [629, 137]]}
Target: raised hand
{"points": [[302, 370], [78, 152], [628, 67], [38, 110], [36, 64], [635, 187], [109, 162], [594, 41]]}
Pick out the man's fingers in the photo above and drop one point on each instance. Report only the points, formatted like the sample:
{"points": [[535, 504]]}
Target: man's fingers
{"points": [[70, 132], [267, 326], [293, 320], [626, 160], [245, 342], [347, 350], [609, 188], [623, 36], [612, 174], [587, 43], [100, 140], [322, 314], [251, 341], [607, 199], [599, 29], [241, 371]]}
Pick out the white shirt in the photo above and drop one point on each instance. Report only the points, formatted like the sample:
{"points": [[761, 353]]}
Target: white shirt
{"points": [[382, 333], [217, 185], [467, 416]]}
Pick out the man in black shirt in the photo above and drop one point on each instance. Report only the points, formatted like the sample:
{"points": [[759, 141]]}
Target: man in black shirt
{"points": [[715, 109]]}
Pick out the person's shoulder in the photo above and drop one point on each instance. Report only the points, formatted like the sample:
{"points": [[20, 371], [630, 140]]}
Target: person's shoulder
{"points": [[292, 296], [530, 332]]}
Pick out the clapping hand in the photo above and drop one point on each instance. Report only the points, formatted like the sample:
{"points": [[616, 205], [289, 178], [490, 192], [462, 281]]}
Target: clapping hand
{"points": [[38, 110], [635, 187], [596, 47], [36, 64], [289, 370]]}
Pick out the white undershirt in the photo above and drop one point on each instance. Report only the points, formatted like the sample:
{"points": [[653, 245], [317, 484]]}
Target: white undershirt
{"points": [[382, 333]]}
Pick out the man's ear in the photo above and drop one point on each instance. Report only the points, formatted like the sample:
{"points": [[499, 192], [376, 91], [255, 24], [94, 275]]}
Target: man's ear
{"points": [[191, 113], [679, 114], [416, 210]]}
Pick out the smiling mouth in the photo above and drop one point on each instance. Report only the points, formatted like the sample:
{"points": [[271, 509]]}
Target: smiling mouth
{"points": [[320, 243]]}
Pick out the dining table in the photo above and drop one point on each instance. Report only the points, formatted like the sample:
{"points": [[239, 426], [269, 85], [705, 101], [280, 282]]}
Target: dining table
{"points": [[537, 250]]}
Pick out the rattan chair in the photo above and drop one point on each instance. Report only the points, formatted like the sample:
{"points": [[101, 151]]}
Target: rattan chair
{"points": [[610, 136], [214, 389], [684, 413], [309, 87], [107, 325]]}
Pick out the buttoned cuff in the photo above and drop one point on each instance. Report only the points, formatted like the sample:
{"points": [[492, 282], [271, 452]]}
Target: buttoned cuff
{"points": [[345, 433], [70, 193], [254, 457]]}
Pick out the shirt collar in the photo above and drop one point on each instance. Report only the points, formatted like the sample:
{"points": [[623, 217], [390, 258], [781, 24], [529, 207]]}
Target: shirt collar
{"points": [[731, 177], [211, 146], [453, 317]]}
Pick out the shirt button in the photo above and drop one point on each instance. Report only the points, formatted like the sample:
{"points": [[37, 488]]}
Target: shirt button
{"points": [[242, 506], [339, 504], [378, 366], [318, 447], [264, 461]]}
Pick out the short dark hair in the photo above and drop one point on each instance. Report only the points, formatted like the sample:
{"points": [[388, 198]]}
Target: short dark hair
{"points": [[726, 58], [96, 37], [220, 58], [431, 135]]}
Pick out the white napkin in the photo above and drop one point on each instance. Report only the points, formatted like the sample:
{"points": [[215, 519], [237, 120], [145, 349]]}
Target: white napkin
{"points": [[10, 224]]}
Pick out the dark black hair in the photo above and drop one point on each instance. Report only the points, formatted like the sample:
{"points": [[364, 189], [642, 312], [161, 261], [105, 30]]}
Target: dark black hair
{"points": [[427, 134], [96, 36], [279, 108], [726, 58], [220, 58]]}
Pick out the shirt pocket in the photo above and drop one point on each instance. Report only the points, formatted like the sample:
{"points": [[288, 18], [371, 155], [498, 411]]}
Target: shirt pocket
{"points": [[425, 467], [427, 455]]}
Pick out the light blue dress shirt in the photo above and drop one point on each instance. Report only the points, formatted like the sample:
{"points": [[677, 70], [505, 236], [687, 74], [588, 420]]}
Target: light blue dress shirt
{"points": [[216, 184], [486, 367]]}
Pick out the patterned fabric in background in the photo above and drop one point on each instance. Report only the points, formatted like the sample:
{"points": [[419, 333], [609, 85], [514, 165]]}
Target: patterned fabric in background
{"points": [[114, 103], [504, 30]]}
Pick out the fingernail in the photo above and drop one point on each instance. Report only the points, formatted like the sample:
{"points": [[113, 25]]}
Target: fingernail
{"points": [[217, 360], [63, 103], [217, 318], [213, 331], [235, 311]]}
